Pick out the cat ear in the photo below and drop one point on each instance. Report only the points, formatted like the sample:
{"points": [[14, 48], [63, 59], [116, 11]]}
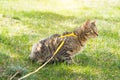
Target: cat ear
{"points": [[86, 23], [93, 22]]}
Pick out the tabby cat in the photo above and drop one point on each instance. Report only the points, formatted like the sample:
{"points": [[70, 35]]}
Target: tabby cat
{"points": [[74, 42]]}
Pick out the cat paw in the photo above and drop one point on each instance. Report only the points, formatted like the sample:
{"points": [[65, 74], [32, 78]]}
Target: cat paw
{"points": [[71, 62]]}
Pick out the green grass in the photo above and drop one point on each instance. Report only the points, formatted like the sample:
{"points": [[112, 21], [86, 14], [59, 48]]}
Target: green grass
{"points": [[24, 22]]}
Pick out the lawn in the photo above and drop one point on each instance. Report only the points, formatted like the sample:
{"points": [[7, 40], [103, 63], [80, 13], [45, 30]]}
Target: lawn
{"points": [[24, 22]]}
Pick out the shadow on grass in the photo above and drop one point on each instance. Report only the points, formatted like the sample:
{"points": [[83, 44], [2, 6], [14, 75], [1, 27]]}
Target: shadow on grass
{"points": [[105, 62], [17, 50], [17, 44], [3, 59], [60, 72], [38, 20]]}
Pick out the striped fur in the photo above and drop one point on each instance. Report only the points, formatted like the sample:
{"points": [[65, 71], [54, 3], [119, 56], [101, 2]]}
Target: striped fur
{"points": [[45, 48]]}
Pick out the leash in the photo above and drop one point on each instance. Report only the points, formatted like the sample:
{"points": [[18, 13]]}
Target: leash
{"points": [[59, 47]]}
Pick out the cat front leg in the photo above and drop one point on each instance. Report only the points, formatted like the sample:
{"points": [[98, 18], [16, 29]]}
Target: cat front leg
{"points": [[41, 61], [69, 60], [68, 57]]}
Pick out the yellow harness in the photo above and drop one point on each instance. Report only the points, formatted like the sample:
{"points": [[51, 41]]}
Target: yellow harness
{"points": [[67, 35]]}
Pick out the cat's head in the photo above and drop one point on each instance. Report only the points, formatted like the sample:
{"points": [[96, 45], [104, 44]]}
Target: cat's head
{"points": [[90, 29]]}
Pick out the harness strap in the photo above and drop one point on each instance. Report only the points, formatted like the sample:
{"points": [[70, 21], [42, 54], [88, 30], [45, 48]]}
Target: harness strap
{"points": [[67, 35]]}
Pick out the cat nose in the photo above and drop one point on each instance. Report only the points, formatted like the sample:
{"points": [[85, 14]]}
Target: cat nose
{"points": [[96, 33]]}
